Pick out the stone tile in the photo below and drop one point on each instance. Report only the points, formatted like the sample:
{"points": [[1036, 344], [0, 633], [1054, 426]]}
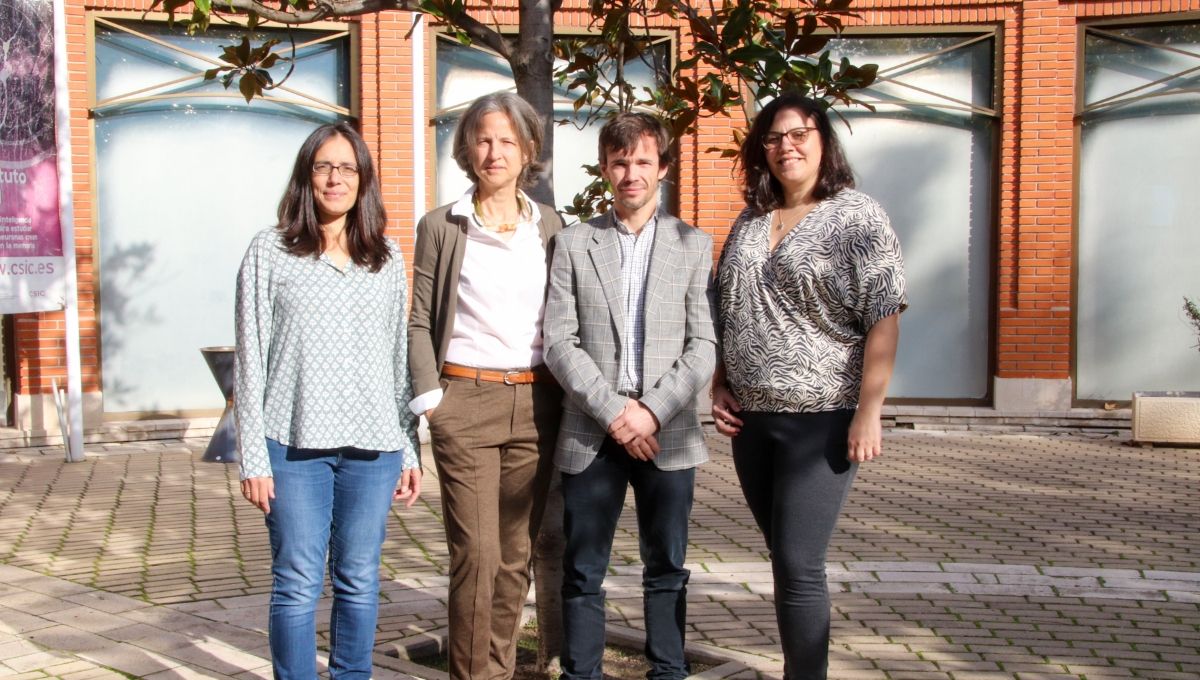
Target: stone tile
{"points": [[35, 661], [129, 659], [893, 566], [106, 602], [86, 618], [1159, 574], [910, 588], [924, 577], [993, 569], [1090, 572], [68, 639], [34, 603]]}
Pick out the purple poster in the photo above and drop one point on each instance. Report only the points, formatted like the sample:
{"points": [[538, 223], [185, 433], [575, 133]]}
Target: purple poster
{"points": [[31, 261]]}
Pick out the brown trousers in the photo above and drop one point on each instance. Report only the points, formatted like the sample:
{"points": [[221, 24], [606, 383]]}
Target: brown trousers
{"points": [[494, 449]]}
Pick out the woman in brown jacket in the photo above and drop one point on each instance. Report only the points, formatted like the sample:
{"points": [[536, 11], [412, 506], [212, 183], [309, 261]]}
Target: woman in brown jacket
{"points": [[475, 354]]}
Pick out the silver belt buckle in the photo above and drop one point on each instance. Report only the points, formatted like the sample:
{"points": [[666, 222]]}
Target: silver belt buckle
{"points": [[508, 373]]}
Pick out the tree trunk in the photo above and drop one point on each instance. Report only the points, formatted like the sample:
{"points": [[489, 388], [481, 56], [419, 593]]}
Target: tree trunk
{"points": [[533, 70], [547, 580]]}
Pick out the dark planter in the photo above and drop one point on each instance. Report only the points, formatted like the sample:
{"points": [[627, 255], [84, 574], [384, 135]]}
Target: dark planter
{"points": [[222, 448]]}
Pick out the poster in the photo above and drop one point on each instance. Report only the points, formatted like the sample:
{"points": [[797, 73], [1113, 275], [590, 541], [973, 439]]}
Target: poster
{"points": [[31, 247]]}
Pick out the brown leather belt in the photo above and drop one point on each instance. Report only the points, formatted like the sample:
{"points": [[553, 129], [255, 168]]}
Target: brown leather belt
{"points": [[520, 376]]}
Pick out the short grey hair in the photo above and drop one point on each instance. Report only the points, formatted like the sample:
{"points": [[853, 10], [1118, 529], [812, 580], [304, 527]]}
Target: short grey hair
{"points": [[525, 121]]}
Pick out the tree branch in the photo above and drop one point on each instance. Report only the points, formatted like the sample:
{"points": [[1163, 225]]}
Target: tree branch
{"points": [[336, 9]]}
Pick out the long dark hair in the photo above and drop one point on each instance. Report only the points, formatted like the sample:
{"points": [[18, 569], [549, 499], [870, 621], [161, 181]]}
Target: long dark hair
{"points": [[764, 193], [366, 221]]}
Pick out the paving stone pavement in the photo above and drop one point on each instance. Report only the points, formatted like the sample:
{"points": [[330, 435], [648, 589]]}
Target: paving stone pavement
{"points": [[958, 557]]}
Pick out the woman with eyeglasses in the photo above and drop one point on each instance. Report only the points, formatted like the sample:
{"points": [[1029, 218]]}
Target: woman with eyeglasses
{"points": [[479, 290], [326, 437], [808, 290]]}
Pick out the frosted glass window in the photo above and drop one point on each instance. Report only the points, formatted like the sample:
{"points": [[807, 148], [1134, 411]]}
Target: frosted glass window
{"points": [[1139, 198], [465, 73], [183, 182], [927, 155]]}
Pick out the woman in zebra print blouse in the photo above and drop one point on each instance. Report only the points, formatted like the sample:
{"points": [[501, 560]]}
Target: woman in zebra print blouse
{"points": [[809, 289]]}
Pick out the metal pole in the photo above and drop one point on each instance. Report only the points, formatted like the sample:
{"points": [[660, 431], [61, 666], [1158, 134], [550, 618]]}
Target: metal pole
{"points": [[66, 209]]}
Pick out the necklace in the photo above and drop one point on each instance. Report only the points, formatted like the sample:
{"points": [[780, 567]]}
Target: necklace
{"points": [[501, 227], [782, 221]]}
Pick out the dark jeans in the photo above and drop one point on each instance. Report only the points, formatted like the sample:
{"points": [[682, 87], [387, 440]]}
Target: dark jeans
{"points": [[795, 477], [592, 503]]}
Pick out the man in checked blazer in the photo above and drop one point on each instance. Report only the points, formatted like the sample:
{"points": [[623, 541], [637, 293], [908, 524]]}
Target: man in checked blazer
{"points": [[629, 336]]}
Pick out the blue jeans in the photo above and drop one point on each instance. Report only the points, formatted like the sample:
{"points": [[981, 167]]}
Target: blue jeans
{"points": [[592, 502], [329, 503]]}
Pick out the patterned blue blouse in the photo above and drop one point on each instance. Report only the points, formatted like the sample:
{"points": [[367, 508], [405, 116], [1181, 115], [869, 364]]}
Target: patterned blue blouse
{"points": [[792, 323], [322, 355]]}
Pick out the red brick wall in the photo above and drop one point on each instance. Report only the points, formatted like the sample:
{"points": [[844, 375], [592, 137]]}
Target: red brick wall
{"points": [[1036, 169]]}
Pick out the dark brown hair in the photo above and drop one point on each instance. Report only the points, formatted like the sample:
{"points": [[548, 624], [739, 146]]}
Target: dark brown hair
{"points": [[525, 122], [625, 130], [298, 220], [764, 193]]}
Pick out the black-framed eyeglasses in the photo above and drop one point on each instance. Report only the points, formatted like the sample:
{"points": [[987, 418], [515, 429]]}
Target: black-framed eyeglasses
{"points": [[345, 169], [796, 136]]}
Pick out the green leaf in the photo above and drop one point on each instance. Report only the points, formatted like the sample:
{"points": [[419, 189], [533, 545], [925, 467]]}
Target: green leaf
{"points": [[204, 6], [809, 44], [735, 28], [211, 73], [752, 53]]}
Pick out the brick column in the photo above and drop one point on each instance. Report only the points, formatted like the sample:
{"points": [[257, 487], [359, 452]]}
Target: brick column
{"points": [[1034, 296]]}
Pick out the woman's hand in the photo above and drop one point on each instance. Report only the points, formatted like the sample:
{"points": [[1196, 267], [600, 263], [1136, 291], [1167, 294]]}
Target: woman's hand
{"points": [[409, 489], [724, 406], [866, 437], [260, 491]]}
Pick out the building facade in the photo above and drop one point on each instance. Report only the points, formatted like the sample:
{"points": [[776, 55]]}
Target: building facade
{"points": [[1037, 159]]}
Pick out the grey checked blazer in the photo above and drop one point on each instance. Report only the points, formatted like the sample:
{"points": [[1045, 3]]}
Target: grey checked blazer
{"points": [[583, 328]]}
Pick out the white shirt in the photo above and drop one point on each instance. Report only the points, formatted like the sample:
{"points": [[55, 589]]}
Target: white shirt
{"points": [[635, 267], [501, 297]]}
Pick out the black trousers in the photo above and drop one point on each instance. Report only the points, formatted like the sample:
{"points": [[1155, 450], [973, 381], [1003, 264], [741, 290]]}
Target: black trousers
{"points": [[795, 477]]}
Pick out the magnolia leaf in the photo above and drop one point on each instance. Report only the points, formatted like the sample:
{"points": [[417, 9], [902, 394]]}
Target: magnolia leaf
{"points": [[809, 44], [752, 53], [735, 28]]}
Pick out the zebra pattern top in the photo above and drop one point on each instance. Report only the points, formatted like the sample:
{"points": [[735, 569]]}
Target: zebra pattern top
{"points": [[793, 323]]}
